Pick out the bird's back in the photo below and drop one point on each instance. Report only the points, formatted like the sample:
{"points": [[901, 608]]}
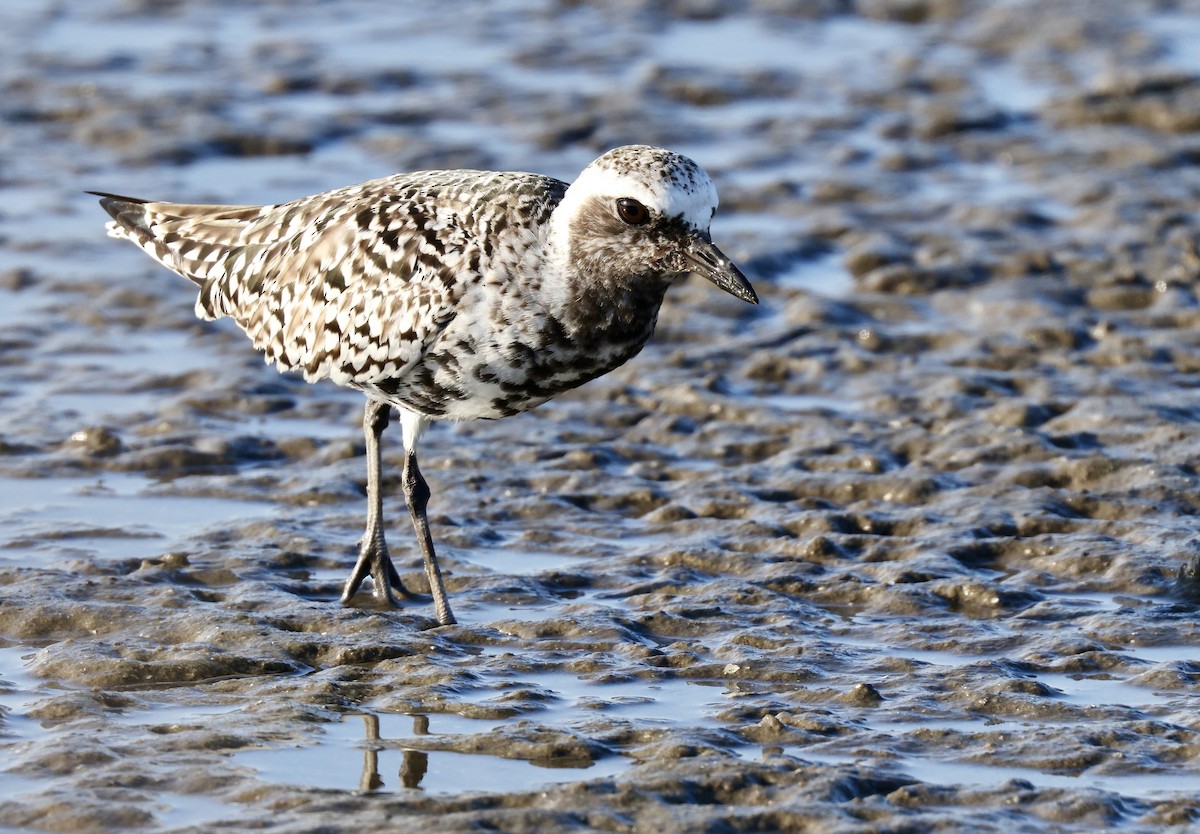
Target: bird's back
{"points": [[352, 285]]}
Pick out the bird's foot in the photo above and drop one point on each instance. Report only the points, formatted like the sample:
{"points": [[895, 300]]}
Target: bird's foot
{"points": [[385, 581]]}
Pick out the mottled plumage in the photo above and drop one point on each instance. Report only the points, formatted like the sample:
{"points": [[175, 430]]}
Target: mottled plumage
{"points": [[447, 294]]}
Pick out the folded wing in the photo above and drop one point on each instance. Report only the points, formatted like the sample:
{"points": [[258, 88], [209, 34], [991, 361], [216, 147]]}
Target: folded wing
{"points": [[352, 285]]}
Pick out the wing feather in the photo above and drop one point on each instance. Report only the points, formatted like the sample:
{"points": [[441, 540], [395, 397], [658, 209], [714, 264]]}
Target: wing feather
{"points": [[352, 285]]}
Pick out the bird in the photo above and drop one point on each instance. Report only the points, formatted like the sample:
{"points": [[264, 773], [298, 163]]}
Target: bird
{"points": [[445, 295]]}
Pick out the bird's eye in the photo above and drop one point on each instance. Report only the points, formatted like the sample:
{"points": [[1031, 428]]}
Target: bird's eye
{"points": [[632, 212]]}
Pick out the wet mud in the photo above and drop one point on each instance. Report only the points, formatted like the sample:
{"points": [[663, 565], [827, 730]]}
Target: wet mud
{"points": [[908, 547]]}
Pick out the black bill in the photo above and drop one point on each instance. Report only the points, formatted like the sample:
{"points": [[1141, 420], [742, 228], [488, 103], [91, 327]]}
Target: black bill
{"points": [[705, 259]]}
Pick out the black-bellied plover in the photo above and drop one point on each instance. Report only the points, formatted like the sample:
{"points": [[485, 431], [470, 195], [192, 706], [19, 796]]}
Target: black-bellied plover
{"points": [[460, 295]]}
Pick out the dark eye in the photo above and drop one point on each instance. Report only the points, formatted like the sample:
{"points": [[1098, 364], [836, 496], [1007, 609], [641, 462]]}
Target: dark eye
{"points": [[632, 212]]}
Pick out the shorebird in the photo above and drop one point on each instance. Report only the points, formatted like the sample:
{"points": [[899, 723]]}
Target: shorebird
{"points": [[458, 295]]}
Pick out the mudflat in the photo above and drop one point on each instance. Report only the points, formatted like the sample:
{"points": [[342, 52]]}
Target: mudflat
{"points": [[908, 546]]}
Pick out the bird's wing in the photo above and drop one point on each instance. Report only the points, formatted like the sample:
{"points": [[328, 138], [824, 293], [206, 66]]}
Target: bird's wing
{"points": [[352, 285]]}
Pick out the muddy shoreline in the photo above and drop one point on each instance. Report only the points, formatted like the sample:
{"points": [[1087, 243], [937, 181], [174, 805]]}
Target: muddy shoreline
{"points": [[909, 546]]}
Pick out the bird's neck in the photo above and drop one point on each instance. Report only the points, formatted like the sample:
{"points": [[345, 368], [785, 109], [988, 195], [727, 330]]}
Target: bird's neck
{"points": [[592, 295]]}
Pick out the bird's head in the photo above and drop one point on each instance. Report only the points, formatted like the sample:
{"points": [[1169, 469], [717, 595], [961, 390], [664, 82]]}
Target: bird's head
{"points": [[645, 212]]}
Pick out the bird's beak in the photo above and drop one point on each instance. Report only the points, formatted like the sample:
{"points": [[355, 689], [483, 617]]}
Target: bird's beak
{"points": [[705, 259]]}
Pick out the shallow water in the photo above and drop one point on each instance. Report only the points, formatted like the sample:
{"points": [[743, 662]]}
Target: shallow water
{"points": [[905, 546], [111, 516]]}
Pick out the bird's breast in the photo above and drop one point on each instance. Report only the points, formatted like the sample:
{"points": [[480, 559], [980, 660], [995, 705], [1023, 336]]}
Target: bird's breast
{"points": [[507, 352]]}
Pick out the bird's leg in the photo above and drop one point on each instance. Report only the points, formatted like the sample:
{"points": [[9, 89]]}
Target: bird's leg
{"points": [[416, 493], [373, 559]]}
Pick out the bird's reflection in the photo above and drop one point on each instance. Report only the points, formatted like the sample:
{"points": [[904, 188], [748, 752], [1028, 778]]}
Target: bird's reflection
{"points": [[370, 780], [413, 764]]}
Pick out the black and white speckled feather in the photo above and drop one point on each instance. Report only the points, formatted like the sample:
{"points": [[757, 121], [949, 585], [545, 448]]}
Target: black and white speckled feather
{"points": [[447, 294], [457, 294]]}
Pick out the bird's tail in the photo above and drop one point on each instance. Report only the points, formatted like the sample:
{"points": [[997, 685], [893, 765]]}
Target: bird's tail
{"points": [[128, 217], [190, 239]]}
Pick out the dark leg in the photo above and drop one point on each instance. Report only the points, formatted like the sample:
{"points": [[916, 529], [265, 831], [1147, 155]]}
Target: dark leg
{"points": [[373, 559], [416, 493]]}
